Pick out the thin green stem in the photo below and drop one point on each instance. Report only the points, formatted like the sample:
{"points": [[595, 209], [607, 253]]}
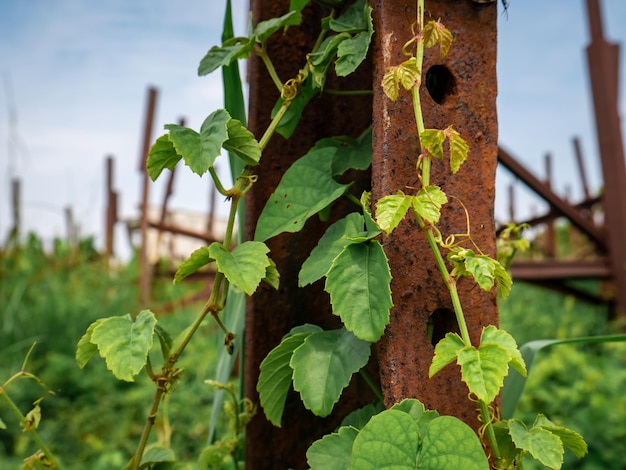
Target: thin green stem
{"points": [[348, 92], [145, 434], [372, 385], [218, 183], [262, 53], [491, 435], [269, 132], [30, 429]]}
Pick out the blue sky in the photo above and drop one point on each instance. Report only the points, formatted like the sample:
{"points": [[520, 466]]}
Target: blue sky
{"points": [[75, 74]]}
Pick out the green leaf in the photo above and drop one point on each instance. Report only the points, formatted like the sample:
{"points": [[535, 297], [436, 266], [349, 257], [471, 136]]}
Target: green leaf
{"points": [[227, 54], [481, 268], [272, 276], [427, 203], [436, 33], [2, 424], [504, 280], [493, 335], [320, 60], [291, 118], [406, 74], [306, 188], [351, 153], [276, 373], [266, 28], [245, 266], [446, 352], [196, 260], [544, 446], [298, 5], [333, 451], [432, 141], [508, 451], [483, 369], [390, 210], [571, 439], [323, 366], [125, 343], [165, 340], [415, 409], [358, 283], [242, 143], [157, 454], [351, 53], [450, 444], [360, 417], [162, 155], [353, 20], [388, 441], [213, 134], [458, 149], [85, 348], [330, 245]]}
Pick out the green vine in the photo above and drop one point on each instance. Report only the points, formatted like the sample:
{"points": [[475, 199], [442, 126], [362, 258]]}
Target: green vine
{"points": [[320, 363]]}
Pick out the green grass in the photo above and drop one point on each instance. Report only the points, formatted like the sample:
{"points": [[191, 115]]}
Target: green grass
{"points": [[92, 420], [579, 386]]}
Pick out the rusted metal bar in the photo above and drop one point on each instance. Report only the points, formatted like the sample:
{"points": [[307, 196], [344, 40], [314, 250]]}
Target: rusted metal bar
{"points": [[144, 263], [170, 228], [561, 269], [511, 203], [111, 210], [581, 167], [271, 314], [557, 204], [465, 97], [603, 59], [550, 242], [562, 287], [582, 206]]}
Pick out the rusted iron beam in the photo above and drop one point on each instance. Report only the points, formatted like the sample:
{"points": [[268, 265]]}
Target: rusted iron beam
{"points": [[271, 314], [111, 210], [144, 263], [580, 164], [583, 206], [171, 228], [550, 234], [465, 97], [557, 204], [560, 269], [603, 60]]}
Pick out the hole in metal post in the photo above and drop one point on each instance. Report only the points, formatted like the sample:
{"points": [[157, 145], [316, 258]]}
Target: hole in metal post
{"points": [[440, 322], [440, 83]]}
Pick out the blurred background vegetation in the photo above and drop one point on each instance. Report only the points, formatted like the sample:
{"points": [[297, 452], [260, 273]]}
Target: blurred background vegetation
{"points": [[93, 420]]}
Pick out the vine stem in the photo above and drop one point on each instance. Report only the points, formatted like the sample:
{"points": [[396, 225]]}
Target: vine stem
{"points": [[448, 279], [215, 304], [31, 430]]}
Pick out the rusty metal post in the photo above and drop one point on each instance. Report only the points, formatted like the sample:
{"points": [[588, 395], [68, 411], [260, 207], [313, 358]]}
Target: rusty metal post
{"points": [[144, 263], [580, 163], [550, 241], [16, 208], [603, 59], [464, 97], [111, 211], [271, 314], [511, 202]]}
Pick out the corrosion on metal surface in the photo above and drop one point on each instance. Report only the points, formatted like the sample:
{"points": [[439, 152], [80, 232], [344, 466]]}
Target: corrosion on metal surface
{"points": [[270, 313], [465, 97], [603, 59]]}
